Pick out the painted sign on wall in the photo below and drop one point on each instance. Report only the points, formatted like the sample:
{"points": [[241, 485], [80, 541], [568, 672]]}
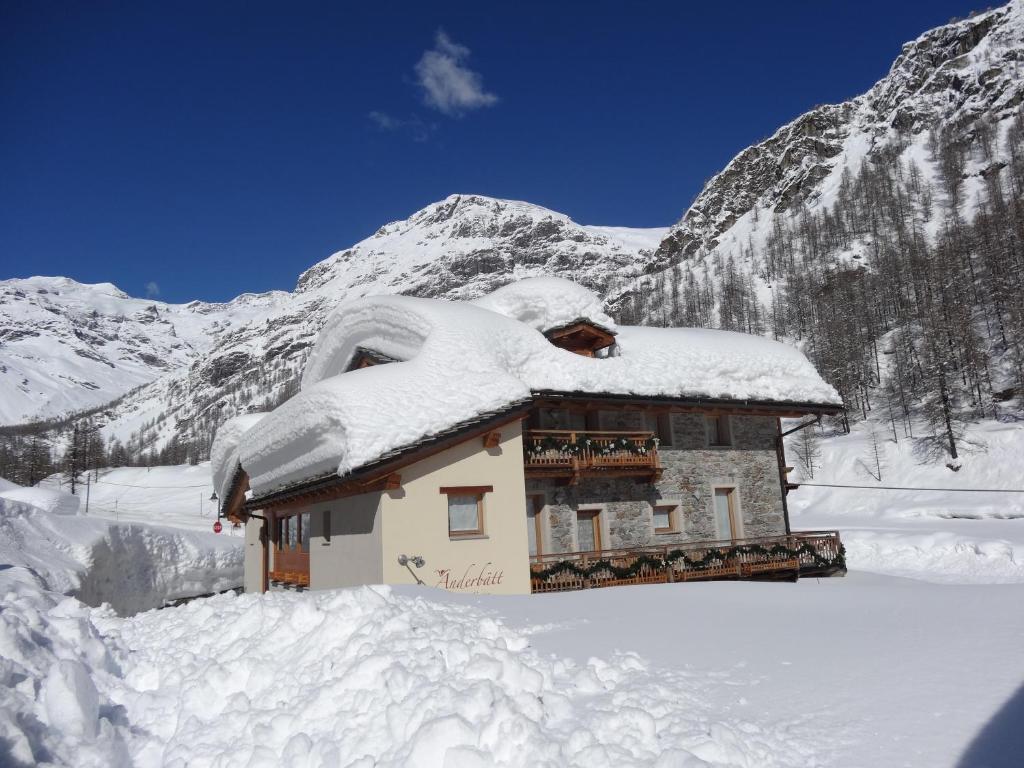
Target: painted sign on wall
{"points": [[473, 577]]}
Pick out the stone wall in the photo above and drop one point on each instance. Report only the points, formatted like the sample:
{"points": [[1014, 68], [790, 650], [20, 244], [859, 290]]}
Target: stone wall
{"points": [[691, 470]]}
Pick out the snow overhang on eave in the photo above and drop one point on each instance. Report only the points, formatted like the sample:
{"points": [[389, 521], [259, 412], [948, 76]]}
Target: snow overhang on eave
{"points": [[361, 479]]}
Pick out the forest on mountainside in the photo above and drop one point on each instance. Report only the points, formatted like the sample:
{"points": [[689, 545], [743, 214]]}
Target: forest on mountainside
{"points": [[906, 294]]}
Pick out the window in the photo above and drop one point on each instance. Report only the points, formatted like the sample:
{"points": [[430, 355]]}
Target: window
{"points": [[327, 526], [719, 430], [588, 530], [661, 425], [727, 521], [666, 518], [293, 532], [466, 510]]}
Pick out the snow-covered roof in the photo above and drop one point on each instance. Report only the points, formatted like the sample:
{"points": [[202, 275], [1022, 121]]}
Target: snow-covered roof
{"points": [[546, 303], [460, 360], [224, 451]]}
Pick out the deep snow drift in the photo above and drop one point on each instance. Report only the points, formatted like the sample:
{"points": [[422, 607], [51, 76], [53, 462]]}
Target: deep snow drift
{"points": [[46, 542]]}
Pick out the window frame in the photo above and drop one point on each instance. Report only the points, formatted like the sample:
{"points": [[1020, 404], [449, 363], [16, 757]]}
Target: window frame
{"points": [[596, 515], [732, 494], [673, 517], [479, 491], [719, 419]]}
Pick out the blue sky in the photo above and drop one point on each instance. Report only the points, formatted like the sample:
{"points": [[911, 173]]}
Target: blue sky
{"points": [[203, 149]]}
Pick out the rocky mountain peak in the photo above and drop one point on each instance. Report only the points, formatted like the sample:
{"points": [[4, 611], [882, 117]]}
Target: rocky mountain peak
{"points": [[948, 77]]}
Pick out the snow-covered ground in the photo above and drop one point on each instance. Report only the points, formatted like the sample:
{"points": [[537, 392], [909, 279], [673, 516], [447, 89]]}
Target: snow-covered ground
{"points": [[875, 669], [956, 535], [174, 496]]}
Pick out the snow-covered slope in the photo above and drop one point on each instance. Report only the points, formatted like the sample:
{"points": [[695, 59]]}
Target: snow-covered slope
{"points": [[66, 346]]}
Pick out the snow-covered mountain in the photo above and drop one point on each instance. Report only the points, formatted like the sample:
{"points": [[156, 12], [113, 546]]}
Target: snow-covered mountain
{"points": [[252, 348], [947, 79], [66, 346], [249, 352]]}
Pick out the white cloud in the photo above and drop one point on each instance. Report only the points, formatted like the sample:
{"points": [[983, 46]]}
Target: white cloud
{"points": [[152, 289], [416, 128], [448, 85], [384, 121]]}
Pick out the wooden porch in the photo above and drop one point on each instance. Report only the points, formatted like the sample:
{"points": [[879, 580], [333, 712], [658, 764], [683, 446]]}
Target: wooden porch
{"points": [[810, 553], [571, 454]]}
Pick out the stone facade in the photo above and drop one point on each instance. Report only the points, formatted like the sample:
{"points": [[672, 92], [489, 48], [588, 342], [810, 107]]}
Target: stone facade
{"points": [[691, 471]]}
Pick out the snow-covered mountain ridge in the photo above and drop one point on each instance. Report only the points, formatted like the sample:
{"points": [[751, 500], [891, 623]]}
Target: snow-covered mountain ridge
{"points": [[209, 361], [66, 346]]}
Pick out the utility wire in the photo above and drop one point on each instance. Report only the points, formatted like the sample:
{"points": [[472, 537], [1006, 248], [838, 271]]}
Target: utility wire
{"points": [[158, 487], [904, 488]]}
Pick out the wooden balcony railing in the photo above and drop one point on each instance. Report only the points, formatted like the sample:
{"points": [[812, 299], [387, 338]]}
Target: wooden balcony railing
{"points": [[290, 566], [812, 553], [570, 453]]}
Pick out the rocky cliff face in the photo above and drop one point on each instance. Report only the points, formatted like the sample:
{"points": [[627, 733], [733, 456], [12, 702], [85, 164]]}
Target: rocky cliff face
{"points": [[946, 79]]}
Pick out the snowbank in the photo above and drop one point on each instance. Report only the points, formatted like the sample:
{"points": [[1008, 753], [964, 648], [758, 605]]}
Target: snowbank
{"points": [[379, 678], [133, 567], [55, 502], [461, 360]]}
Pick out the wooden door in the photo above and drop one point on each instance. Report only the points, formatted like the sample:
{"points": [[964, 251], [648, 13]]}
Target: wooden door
{"points": [[534, 524], [588, 530]]}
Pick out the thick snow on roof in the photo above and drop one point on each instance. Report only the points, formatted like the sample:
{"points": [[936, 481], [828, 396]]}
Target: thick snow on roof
{"points": [[545, 303], [461, 360], [224, 451]]}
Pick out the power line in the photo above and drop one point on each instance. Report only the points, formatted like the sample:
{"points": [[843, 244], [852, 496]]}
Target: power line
{"points": [[158, 487], [905, 488]]}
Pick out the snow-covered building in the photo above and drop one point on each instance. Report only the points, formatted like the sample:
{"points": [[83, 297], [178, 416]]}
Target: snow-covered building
{"points": [[522, 442]]}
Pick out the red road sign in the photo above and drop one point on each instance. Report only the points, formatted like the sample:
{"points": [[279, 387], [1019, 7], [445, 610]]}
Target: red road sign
{"points": [[217, 527]]}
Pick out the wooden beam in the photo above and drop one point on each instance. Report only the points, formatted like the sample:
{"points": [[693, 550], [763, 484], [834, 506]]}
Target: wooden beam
{"points": [[466, 490], [492, 439]]}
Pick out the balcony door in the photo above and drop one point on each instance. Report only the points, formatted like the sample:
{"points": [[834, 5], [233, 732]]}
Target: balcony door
{"points": [[727, 521], [588, 530], [291, 551], [534, 524]]}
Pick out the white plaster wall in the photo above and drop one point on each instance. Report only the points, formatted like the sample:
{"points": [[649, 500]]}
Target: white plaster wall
{"points": [[352, 554], [253, 561], [415, 519]]}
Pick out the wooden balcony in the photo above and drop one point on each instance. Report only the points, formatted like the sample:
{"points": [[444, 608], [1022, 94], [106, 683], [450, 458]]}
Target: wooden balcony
{"points": [[291, 566], [571, 455], [812, 553]]}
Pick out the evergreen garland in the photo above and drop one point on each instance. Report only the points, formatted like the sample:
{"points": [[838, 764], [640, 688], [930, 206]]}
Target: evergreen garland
{"points": [[586, 444], [710, 559]]}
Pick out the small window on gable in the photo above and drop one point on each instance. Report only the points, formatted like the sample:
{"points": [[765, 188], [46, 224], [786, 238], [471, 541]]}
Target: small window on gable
{"points": [[719, 430], [582, 337], [466, 510], [666, 518], [364, 358]]}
